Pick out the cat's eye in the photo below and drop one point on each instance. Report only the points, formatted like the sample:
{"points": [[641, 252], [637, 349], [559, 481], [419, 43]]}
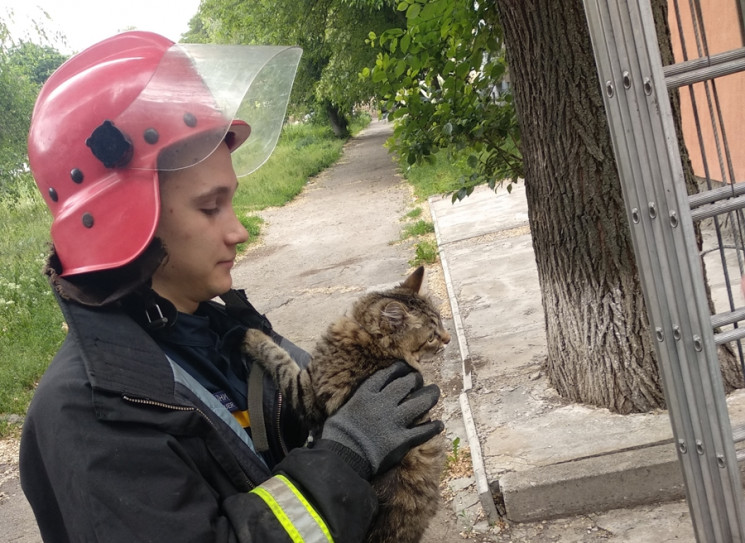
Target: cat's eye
{"points": [[432, 338]]}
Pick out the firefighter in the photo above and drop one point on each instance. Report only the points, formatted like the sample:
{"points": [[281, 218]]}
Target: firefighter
{"points": [[150, 425]]}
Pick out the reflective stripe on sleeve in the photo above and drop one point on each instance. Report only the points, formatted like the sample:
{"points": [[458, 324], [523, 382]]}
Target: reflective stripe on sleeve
{"points": [[295, 514]]}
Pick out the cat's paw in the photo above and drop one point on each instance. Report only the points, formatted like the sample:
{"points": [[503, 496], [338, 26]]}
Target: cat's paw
{"points": [[253, 340]]}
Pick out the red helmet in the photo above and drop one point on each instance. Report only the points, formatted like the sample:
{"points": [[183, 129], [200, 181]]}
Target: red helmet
{"points": [[113, 115]]}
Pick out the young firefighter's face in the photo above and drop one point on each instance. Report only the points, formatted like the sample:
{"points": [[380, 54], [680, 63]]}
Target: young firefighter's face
{"points": [[200, 231]]}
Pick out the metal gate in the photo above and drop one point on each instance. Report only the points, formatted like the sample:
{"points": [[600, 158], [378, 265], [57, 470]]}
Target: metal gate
{"points": [[635, 88]]}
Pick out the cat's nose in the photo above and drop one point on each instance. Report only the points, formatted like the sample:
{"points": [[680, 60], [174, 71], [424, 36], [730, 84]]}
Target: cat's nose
{"points": [[446, 338]]}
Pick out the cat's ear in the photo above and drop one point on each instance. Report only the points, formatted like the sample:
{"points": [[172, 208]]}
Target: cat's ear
{"points": [[414, 281], [394, 313]]}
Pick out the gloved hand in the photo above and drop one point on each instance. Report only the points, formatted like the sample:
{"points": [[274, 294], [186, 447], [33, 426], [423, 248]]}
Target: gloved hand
{"points": [[376, 424]]}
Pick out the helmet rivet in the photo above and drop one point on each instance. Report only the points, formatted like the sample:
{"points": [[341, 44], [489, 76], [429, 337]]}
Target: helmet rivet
{"points": [[151, 136], [87, 220], [53, 194], [76, 175], [190, 120]]}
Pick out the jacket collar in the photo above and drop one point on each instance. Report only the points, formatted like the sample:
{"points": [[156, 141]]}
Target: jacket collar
{"points": [[119, 356]]}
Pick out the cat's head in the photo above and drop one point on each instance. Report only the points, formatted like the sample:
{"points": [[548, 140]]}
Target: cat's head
{"points": [[404, 323]]}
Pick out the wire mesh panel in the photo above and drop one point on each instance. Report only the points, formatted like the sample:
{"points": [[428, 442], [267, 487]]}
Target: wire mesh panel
{"points": [[687, 328]]}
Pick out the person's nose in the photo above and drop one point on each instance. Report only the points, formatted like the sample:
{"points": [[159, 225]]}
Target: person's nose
{"points": [[236, 233]]}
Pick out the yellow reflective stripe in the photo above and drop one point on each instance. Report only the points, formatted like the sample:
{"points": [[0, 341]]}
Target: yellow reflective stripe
{"points": [[308, 508], [279, 513], [301, 522]]}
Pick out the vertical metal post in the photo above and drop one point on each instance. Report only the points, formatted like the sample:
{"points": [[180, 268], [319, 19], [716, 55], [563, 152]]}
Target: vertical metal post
{"points": [[649, 164]]}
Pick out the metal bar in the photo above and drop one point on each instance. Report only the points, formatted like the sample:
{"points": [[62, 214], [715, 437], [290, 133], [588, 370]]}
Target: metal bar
{"points": [[718, 208], [730, 317], [694, 64], [705, 68], [714, 195], [738, 433], [730, 335], [646, 148]]}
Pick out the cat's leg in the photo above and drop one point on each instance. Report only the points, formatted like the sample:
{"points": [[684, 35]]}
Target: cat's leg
{"points": [[293, 382]]}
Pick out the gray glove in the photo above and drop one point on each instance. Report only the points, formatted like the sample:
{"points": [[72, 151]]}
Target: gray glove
{"points": [[376, 424]]}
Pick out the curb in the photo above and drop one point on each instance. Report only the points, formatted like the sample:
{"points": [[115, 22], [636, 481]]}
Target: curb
{"points": [[479, 471], [616, 480]]}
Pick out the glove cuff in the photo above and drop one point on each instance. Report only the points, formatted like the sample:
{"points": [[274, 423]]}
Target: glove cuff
{"points": [[351, 458]]}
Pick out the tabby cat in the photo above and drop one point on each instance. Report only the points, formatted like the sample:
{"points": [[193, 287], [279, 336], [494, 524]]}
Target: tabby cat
{"points": [[398, 324]]}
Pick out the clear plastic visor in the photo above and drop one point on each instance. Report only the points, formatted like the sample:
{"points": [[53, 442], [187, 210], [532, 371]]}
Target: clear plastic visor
{"points": [[201, 95]]}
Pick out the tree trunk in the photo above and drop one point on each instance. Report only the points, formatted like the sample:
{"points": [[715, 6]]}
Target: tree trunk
{"points": [[339, 123], [600, 351]]}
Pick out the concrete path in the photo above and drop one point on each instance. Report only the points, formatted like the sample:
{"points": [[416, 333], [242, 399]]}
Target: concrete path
{"points": [[545, 457]]}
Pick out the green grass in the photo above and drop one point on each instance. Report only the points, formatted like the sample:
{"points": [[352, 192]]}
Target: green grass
{"points": [[31, 324], [426, 253], [413, 214], [419, 228], [440, 177], [252, 223], [30, 320]]}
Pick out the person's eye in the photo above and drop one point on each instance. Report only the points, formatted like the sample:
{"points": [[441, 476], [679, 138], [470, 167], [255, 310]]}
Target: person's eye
{"points": [[209, 211]]}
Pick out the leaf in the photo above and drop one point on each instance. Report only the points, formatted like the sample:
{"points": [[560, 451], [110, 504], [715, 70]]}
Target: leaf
{"points": [[405, 43], [462, 70], [413, 12], [379, 76], [400, 68]]}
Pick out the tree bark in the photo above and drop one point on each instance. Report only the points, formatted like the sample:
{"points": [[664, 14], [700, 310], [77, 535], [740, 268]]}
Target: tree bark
{"points": [[600, 351], [339, 123]]}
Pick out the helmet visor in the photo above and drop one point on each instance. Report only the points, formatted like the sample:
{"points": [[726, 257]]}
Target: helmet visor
{"points": [[201, 95]]}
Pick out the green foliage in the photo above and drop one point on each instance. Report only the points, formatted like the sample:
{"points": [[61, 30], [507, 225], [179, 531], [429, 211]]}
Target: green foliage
{"points": [[331, 33], [454, 455], [419, 228], [37, 62], [414, 213], [426, 253], [30, 321], [443, 81], [17, 95], [252, 224], [23, 69], [441, 175]]}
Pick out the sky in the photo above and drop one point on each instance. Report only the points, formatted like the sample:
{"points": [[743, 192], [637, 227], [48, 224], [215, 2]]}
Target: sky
{"points": [[85, 22]]}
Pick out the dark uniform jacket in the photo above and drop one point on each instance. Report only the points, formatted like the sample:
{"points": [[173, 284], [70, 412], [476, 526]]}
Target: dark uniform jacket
{"points": [[122, 445]]}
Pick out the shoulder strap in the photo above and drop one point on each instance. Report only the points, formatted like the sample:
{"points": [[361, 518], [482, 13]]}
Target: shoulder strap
{"points": [[256, 407]]}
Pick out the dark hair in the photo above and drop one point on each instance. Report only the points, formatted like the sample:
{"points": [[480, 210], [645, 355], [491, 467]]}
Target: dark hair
{"points": [[104, 287]]}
